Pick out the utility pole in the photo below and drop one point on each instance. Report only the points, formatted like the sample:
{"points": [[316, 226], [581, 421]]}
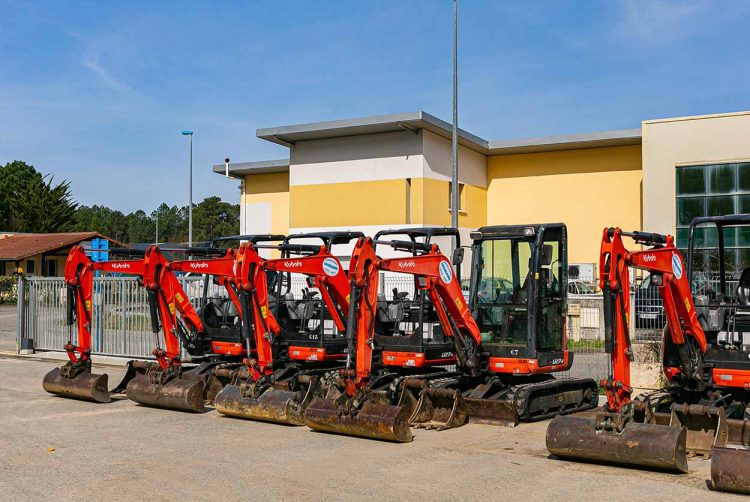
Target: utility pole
{"points": [[157, 227], [190, 199], [454, 139]]}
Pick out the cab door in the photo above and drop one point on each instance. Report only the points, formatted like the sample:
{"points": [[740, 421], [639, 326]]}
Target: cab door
{"points": [[551, 283]]}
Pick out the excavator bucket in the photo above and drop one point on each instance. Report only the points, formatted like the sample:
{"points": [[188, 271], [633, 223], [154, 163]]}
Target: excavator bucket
{"points": [[374, 419], [85, 385], [638, 445], [730, 456], [88, 386], [730, 469], [284, 403], [185, 393], [435, 408], [273, 405]]}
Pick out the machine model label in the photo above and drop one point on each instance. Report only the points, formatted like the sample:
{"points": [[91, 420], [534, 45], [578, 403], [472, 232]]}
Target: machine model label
{"points": [[407, 264], [331, 267], [446, 274], [293, 264], [649, 258], [200, 264], [120, 266], [677, 266]]}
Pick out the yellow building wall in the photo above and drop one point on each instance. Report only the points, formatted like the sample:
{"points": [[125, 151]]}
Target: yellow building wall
{"points": [[585, 189], [436, 204], [273, 189], [355, 203], [422, 201]]}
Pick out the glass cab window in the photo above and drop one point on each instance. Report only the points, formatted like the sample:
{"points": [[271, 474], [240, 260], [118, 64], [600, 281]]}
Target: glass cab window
{"points": [[502, 291]]}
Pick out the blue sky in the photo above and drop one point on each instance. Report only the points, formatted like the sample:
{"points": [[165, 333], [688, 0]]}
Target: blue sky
{"points": [[98, 92]]}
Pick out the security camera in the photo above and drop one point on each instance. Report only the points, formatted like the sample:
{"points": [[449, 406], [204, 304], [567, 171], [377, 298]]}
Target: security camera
{"points": [[226, 167], [226, 160]]}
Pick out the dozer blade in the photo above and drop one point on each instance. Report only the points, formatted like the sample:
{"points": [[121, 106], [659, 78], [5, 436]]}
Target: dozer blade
{"points": [[273, 405], [183, 393], [86, 385], [373, 420], [502, 412], [638, 445], [730, 469]]}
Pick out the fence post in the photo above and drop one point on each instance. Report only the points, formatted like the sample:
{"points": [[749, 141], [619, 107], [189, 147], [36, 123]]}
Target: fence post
{"points": [[24, 343], [382, 283], [124, 317]]}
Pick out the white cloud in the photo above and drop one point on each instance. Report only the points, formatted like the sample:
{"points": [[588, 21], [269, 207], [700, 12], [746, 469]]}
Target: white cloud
{"points": [[91, 61]]}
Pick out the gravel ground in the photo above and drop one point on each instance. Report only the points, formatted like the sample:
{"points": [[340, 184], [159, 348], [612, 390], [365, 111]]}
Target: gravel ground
{"points": [[53, 448]]}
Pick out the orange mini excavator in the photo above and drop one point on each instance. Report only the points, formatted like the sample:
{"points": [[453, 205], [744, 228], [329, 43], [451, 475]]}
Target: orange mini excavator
{"points": [[706, 359], [292, 354], [166, 383]]}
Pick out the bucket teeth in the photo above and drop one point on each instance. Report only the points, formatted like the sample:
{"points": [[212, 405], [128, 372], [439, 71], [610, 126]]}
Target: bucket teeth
{"points": [[185, 393], [273, 405], [372, 420], [639, 445], [85, 385]]}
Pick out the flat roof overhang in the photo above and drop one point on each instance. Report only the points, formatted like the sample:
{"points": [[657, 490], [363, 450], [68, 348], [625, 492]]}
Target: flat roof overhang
{"points": [[409, 121], [622, 137], [241, 169]]}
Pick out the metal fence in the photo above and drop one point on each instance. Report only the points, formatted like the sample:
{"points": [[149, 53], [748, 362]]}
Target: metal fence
{"points": [[121, 323]]}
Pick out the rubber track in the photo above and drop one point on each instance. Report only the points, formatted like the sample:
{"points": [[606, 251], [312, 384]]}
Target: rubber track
{"points": [[525, 394]]}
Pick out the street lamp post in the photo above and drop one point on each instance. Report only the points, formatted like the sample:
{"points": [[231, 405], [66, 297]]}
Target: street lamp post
{"points": [[190, 198]]}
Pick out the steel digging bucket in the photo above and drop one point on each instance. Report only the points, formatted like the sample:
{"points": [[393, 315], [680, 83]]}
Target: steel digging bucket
{"points": [[730, 469], [439, 409], [373, 420], [730, 456], [86, 385], [638, 445], [273, 405], [185, 393]]}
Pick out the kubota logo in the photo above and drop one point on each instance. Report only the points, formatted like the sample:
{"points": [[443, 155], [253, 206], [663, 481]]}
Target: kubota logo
{"points": [[649, 257], [407, 264], [120, 266], [200, 264], [292, 264]]}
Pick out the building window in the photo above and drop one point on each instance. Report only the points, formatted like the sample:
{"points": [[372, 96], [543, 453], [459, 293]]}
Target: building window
{"points": [[50, 268], [713, 190], [30, 267], [461, 202]]}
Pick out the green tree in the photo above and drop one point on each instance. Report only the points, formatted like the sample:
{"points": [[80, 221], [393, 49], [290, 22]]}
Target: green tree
{"points": [[31, 202], [214, 218], [172, 223]]}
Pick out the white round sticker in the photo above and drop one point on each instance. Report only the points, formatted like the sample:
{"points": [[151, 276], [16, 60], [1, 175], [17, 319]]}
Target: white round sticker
{"points": [[446, 274], [331, 267], [676, 265]]}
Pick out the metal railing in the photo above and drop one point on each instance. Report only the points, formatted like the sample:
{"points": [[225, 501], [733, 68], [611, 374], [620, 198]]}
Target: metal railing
{"points": [[121, 324]]}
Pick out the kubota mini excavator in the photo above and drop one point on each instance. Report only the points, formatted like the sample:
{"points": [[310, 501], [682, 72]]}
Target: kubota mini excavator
{"points": [[706, 359], [163, 383], [279, 383], [75, 379], [504, 360]]}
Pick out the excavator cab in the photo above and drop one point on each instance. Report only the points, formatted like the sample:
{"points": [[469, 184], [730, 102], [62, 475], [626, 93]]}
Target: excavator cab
{"points": [[218, 304], [407, 328], [300, 304], [518, 296]]}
